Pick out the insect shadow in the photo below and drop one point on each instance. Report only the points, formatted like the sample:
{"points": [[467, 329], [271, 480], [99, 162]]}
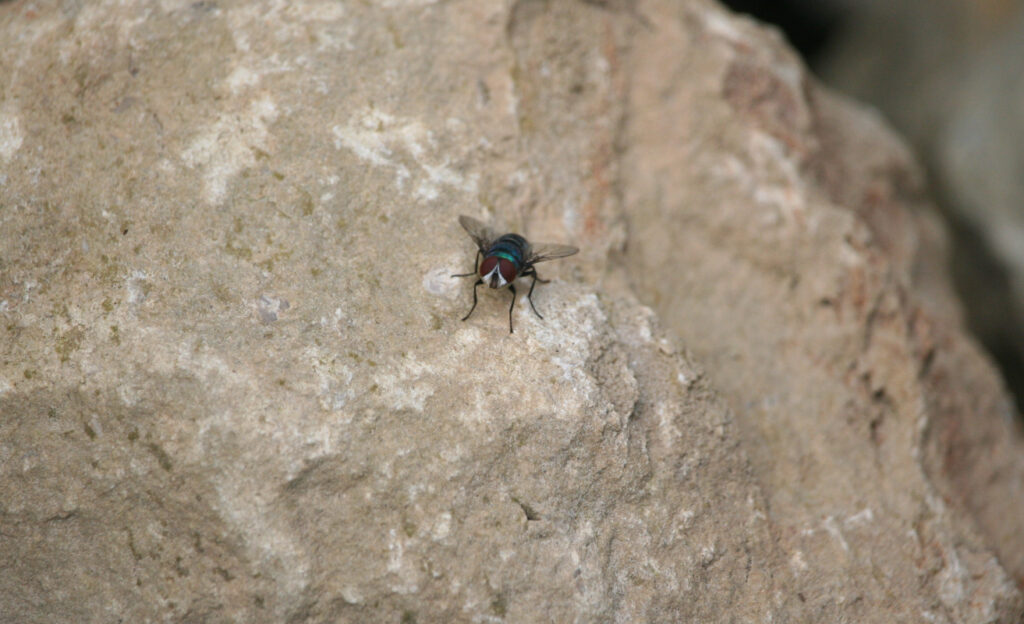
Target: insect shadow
{"points": [[506, 257]]}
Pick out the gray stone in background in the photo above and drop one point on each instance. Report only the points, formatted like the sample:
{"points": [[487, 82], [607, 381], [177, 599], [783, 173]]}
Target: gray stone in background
{"points": [[948, 74], [234, 386], [980, 161]]}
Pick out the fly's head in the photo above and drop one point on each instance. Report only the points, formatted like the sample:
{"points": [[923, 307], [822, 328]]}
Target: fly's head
{"points": [[497, 272]]}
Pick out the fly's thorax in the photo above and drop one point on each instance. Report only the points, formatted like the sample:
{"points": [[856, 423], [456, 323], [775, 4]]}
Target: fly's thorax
{"points": [[512, 247]]}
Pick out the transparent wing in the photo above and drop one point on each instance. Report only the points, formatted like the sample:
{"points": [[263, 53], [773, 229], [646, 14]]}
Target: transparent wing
{"points": [[480, 233], [542, 252]]}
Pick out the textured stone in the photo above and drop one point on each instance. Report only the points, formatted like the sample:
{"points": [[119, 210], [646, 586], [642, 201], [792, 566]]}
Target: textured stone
{"points": [[814, 299], [234, 385]]}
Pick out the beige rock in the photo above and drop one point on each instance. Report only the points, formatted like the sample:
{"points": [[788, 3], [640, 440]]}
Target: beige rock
{"points": [[812, 292], [234, 385]]}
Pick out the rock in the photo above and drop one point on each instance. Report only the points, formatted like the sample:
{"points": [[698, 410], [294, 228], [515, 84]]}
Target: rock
{"points": [[813, 295], [234, 385], [946, 74]]}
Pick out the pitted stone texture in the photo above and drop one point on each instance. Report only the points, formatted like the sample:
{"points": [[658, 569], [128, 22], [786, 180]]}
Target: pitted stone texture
{"points": [[234, 385]]}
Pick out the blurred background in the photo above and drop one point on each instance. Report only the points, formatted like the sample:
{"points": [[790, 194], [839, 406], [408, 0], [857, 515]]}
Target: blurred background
{"points": [[949, 76]]}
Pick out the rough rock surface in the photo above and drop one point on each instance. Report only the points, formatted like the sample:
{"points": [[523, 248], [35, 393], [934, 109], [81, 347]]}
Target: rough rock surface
{"points": [[815, 300], [234, 385]]}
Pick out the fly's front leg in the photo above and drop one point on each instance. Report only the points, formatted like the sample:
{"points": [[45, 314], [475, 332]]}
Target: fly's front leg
{"points": [[476, 267], [529, 295], [478, 282], [513, 289]]}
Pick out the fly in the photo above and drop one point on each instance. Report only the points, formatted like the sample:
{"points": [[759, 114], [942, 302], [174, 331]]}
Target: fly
{"points": [[505, 258]]}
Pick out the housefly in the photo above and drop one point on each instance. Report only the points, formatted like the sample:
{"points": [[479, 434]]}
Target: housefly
{"points": [[506, 257]]}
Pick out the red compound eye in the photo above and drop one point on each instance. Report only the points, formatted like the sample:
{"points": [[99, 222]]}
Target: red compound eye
{"points": [[488, 265], [508, 270]]}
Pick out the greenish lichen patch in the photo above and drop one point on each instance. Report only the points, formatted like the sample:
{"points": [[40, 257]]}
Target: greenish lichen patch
{"points": [[111, 270], [268, 264], [306, 203], [242, 253], [161, 455], [68, 342], [499, 606]]}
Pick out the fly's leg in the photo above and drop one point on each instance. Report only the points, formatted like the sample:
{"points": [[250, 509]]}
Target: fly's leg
{"points": [[529, 295], [478, 282], [476, 263], [476, 267], [513, 289]]}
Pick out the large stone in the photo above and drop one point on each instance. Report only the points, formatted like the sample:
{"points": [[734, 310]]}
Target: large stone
{"points": [[813, 292], [947, 73], [234, 385]]}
